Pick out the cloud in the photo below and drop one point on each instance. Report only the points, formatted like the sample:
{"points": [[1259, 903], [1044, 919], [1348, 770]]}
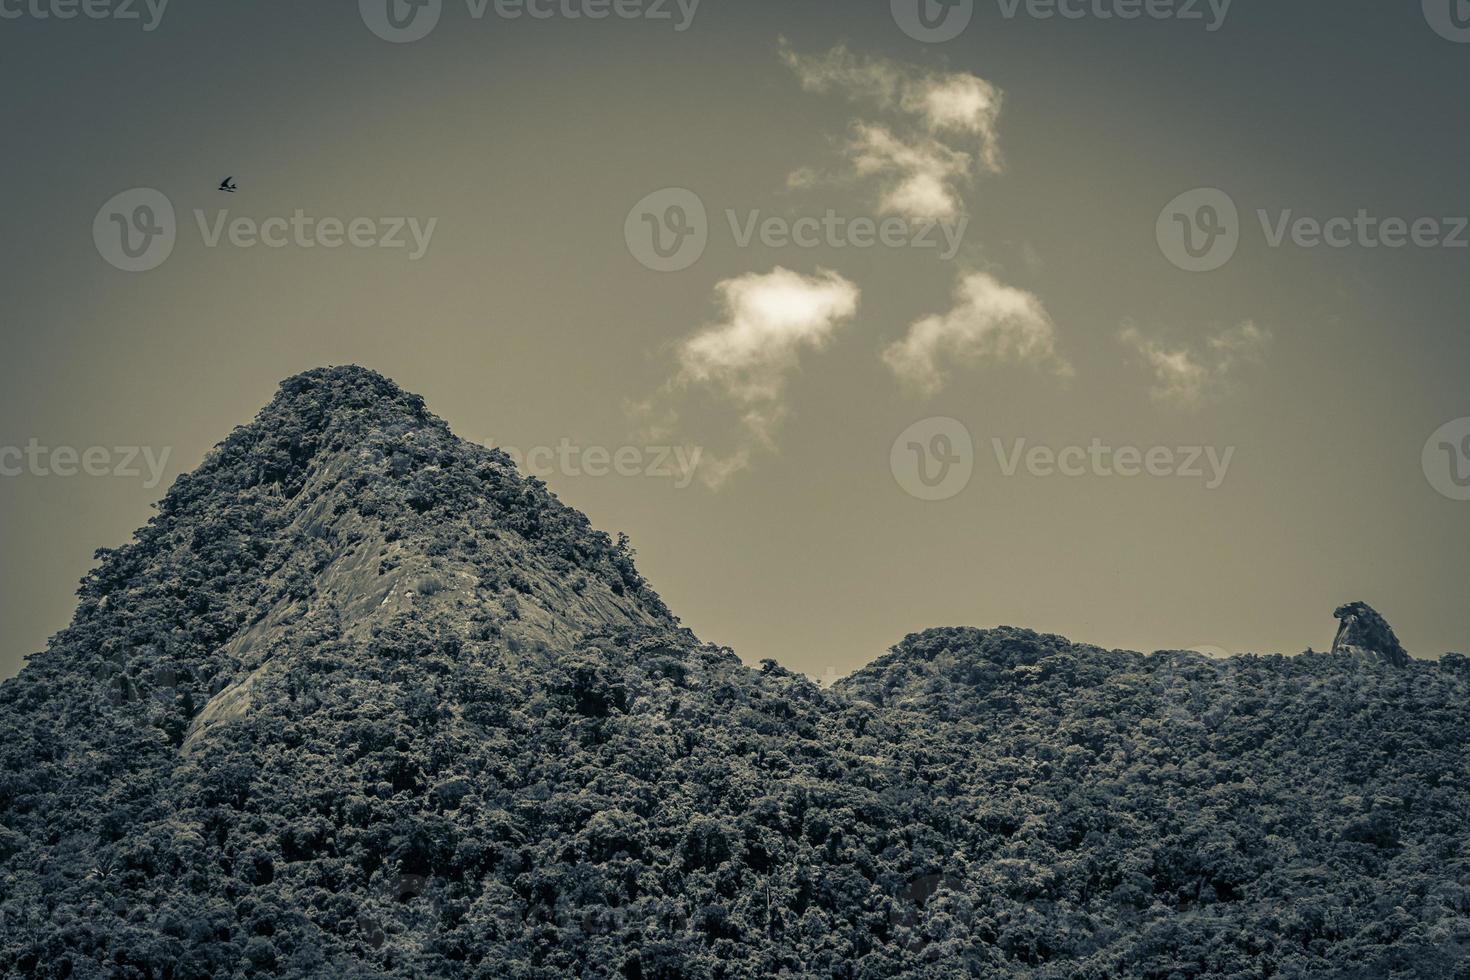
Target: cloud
{"points": [[919, 177], [990, 322], [941, 103], [914, 153], [968, 105], [747, 357], [1189, 378]]}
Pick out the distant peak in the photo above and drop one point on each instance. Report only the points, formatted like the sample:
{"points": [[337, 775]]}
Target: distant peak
{"points": [[346, 387], [348, 401], [341, 374], [1365, 633]]}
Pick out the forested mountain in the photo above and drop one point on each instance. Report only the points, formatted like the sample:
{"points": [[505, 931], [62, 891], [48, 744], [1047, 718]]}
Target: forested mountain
{"points": [[361, 701]]}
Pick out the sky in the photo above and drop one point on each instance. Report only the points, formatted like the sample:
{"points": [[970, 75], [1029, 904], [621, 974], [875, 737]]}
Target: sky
{"points": [[1139, 323]]}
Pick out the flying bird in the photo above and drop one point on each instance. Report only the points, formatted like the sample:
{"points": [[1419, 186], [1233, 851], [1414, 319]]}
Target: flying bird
{"points": [[228, 185]]}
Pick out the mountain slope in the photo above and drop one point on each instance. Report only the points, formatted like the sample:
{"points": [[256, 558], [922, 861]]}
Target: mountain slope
{"points": [[361, 701], [1172, 815]]}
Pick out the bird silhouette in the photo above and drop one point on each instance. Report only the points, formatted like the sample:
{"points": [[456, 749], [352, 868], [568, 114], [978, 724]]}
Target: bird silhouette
{"points": [[228, 185]]}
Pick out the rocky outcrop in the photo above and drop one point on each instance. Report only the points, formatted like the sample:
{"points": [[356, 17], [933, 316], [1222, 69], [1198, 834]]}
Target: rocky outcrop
{"points": [[1364, 633]]}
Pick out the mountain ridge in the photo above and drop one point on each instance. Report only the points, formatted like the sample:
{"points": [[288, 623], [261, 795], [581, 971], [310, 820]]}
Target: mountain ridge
{"points": [[362, 701]]}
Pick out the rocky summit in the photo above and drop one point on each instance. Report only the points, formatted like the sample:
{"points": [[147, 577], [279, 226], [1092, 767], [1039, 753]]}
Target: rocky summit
{"points": [[362, 701], [1364, 633]]}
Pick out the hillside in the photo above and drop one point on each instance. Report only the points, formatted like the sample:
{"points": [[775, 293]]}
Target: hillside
{"points": [[361, 701]]}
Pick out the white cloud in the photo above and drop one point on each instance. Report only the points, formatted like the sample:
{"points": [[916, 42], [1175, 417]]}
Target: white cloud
{"points": [[965, 104], [747, 357], [942, 102], [919, 177], [1189, 378], [990, 321], [921, 170], [768, 320]]}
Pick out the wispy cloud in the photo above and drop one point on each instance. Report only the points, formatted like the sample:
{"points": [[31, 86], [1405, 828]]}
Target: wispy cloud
{"points": [[918, 178], [746, 358], [1190, 377], [913, 154], [990, 322], [953, 103]]}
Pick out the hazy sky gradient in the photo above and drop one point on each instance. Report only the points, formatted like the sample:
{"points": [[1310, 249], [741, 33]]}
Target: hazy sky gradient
{"points": [[528, 321]]}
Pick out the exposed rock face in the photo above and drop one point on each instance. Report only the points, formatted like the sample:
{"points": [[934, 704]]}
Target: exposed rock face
{"points": [[1364, 633]]}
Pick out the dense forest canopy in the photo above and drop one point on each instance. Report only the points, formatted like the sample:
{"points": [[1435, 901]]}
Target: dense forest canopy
{"points": [[360, 701]]}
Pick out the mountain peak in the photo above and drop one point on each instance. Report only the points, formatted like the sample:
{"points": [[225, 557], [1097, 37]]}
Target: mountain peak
{"points": [[1365, 633], [322, 397], [348, 512], [344, 386]]}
